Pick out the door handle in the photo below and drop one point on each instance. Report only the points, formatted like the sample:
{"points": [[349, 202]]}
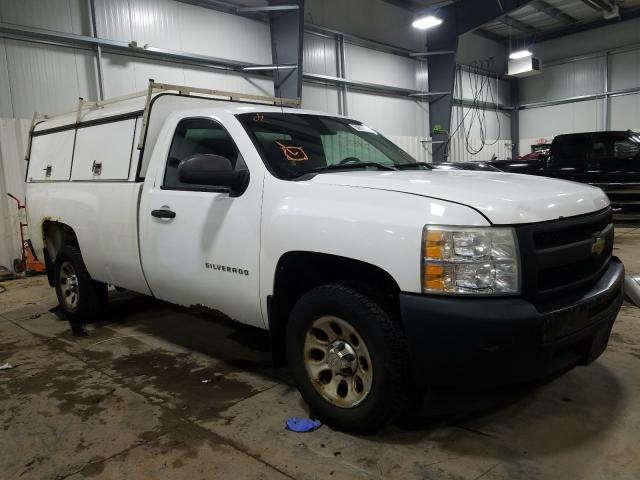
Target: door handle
{"points": [[163, 213]]}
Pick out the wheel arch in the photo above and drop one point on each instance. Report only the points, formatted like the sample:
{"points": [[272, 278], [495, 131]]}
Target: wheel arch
{"points": [[297, 272], [55, 235]]}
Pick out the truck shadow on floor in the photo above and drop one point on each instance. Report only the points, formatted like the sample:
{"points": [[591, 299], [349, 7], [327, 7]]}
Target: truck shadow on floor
{"points": [[571, 405]]}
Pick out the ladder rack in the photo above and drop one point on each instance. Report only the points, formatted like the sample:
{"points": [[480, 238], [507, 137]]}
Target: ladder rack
{"points": [[153, 88]]}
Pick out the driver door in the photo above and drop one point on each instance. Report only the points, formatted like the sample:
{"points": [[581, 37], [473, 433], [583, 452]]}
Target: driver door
{"points": [[199, 246]]}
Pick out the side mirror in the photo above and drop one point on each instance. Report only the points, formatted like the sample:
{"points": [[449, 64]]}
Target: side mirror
{"points": [[214, 170]]}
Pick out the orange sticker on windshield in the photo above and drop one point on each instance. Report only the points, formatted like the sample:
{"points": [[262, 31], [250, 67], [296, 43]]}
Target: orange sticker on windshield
{"points": [[293, 154]]}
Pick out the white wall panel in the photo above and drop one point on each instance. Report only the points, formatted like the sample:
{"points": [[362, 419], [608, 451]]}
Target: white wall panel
{"points": [[474, 48], [563, 81], [470, 84], [496, 126], [61, 15], [390, 115], [547, 122], [372, 66], [417, 147], [625, 113], [467, 140], [458, 151], [319, 55], [625, 70], [113, 19], [47, 78], [124, 74], [216, 34], [156, 22], [422, 76], [179, 26], [404, 121], [6, 102], [320, 97], [217, 79]]}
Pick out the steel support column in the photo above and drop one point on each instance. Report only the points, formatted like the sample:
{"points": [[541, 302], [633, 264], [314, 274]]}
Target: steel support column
{"points": [[458, 19], [515, 119], [342, 61], [442, 72], [287, 31], [607, 99]]}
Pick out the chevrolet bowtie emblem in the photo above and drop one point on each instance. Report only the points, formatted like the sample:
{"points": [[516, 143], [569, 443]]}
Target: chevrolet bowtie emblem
{"points": [[598, 245]]}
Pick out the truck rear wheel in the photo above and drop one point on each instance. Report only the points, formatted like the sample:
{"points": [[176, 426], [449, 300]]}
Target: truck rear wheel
{"points": [[81, 297], [348, 358]]}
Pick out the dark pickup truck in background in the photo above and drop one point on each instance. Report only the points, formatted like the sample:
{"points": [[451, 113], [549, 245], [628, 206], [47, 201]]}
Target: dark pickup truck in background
{"points": [[609, 160]]}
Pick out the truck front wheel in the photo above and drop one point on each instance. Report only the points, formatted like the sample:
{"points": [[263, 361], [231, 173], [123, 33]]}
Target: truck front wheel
{"points": [[348, 358], [81, 297]]}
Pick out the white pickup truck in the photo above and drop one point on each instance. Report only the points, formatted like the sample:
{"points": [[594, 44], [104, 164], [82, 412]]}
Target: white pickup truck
{"points": [[375, 275]]}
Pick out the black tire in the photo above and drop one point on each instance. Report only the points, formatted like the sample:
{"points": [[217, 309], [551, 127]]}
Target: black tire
{"points": [[389, 391], [91, 295]]}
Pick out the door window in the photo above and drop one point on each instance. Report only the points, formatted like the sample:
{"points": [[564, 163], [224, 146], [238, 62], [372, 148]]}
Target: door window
{"points": [[198, 136], [570, 152], [614, 147]]}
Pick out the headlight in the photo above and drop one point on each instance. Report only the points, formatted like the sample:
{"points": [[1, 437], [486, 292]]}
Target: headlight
{"points": [[468, 261]]}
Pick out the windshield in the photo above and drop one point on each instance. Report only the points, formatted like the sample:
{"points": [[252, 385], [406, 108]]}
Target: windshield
{"points": [[297, 144]]}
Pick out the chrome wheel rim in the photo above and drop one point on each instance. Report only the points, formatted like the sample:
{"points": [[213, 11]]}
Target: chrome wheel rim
{"points": [[69, 285], [338, 362]]}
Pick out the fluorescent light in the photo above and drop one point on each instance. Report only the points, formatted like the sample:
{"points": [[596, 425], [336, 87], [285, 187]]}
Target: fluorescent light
{"points": [[424, 23], [520, 54]]}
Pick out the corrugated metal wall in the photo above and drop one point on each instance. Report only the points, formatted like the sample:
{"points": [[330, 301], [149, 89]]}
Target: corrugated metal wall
{"points": [[403, 120], [566, 79], [625, 111], [46, 78], [469, 128]]}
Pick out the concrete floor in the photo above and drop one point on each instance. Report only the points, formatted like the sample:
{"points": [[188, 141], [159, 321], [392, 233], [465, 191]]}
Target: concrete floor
{"points": [[160, 392]]}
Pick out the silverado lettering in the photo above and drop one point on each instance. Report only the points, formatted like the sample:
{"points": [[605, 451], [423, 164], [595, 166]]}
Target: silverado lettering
{"points": [[224, 268]]}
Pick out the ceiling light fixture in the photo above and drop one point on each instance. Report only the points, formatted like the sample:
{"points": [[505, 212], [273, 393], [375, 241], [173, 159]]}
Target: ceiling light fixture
{"points": [[426, 22], [520, 54]]}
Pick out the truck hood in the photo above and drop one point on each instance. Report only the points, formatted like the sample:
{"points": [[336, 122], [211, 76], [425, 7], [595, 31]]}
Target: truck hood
{"points": [[504, 198]]}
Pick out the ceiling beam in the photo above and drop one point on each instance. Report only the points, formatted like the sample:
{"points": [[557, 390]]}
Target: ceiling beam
{"points": [[472, 14], [626, 14], [416, 6], [600, 5], [553, 12], [494, 37], [518, 24]]}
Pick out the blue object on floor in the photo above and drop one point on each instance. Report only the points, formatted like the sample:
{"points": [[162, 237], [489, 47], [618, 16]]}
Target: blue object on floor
{"points": [[302, 424]]}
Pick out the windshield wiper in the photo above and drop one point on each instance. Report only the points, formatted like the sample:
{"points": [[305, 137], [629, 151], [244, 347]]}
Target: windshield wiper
{"points": [[348, 166], [412, 166]]}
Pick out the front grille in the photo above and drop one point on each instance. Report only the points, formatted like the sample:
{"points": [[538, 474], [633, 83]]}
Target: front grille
{"points": [[558, 257]]}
